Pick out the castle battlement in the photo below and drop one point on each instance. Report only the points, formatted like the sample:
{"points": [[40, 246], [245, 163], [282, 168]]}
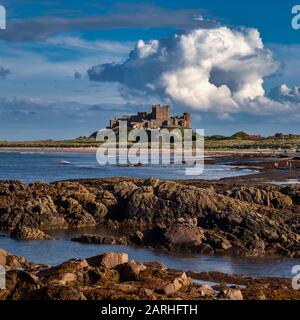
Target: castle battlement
{"points": [[157, 119]]}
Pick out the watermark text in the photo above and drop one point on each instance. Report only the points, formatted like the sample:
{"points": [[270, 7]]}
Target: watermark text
{"points": [[152, 147], [296, 17], [2, 278], [2, 18], [296, 278]]}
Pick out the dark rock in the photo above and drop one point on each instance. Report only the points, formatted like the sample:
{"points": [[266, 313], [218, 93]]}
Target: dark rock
{"points": [[183, 238], [189, 216], [97, 239], [129, 271], [25, 233]]}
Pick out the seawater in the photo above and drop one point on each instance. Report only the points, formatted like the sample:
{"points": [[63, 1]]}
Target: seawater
{"points": [[50, 167]]}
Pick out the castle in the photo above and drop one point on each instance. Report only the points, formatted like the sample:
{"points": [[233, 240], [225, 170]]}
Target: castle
{"points": [[157, 119]]}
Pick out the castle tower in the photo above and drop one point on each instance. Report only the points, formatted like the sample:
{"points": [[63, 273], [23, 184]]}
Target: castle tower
{"points": [[187, 118], [160, 113]]}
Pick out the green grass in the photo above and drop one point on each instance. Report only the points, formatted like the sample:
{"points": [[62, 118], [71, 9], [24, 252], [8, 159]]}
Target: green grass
{"points": [[226, 144]]}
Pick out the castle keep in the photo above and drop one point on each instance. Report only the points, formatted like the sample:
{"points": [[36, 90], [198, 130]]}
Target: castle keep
{"points": [[157, 119]]}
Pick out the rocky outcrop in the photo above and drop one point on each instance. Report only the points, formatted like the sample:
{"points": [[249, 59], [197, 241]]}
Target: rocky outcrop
{"points": [[24, 233], [98, 239], [265, 196], [112, 276], [48, 207], [10, 261], [186, 217]]}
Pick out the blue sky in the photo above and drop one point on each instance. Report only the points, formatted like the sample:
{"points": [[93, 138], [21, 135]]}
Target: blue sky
{"points": [[48, 47]]}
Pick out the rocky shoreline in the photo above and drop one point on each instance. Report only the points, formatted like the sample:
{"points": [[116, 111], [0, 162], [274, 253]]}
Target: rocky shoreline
{"points": [[223, 218], [113, 276]]}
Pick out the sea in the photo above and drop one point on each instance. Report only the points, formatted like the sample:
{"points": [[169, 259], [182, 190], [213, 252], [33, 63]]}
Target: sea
{"points": [[53, 166]]}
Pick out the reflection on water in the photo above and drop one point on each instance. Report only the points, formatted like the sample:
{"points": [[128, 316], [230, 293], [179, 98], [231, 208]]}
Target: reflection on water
{"points": [[55, 252]]}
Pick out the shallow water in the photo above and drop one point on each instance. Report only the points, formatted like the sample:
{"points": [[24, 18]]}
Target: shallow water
{"points": [[49, 167], [55, 252]]}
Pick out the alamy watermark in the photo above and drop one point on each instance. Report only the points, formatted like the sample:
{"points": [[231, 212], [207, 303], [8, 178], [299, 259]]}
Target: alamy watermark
{"points": [[2, 18], [296, 18], [152, 147], [296, 278], [2, 278]]}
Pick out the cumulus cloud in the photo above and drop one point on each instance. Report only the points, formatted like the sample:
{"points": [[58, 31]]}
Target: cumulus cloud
{"points": [[4, 72], [284, 93], [216, 70]]}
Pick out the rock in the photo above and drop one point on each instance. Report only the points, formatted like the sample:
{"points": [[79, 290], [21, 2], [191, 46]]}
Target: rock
{"points": [[76, 279], [107, 199], [190, 216], [25, 233], [142, 205], [19, 285], [153, 182], [124, 189], [58, 292], [3, 256], [217, 241], [231, 294], [97, 210], [129, 271], [65, 278], [137, 237], [180, 237], [177, 284], [11, 261], [108, 260], [206, 291], [97, 239], [264, 196]]}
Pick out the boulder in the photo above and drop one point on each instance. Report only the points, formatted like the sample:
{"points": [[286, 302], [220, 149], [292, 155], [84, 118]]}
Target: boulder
{"points": [[19, 285], [177, 284], [231, 294], [11, 261], [25, 233], [206, 291], [108, 260], [181, 237], [129, 271]]}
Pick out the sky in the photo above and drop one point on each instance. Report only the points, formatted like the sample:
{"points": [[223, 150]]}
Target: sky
{"points": [[67, 67]]}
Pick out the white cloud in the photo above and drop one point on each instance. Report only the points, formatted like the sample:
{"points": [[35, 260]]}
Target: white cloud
{"points": [[209, 70], [285, 95]]}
